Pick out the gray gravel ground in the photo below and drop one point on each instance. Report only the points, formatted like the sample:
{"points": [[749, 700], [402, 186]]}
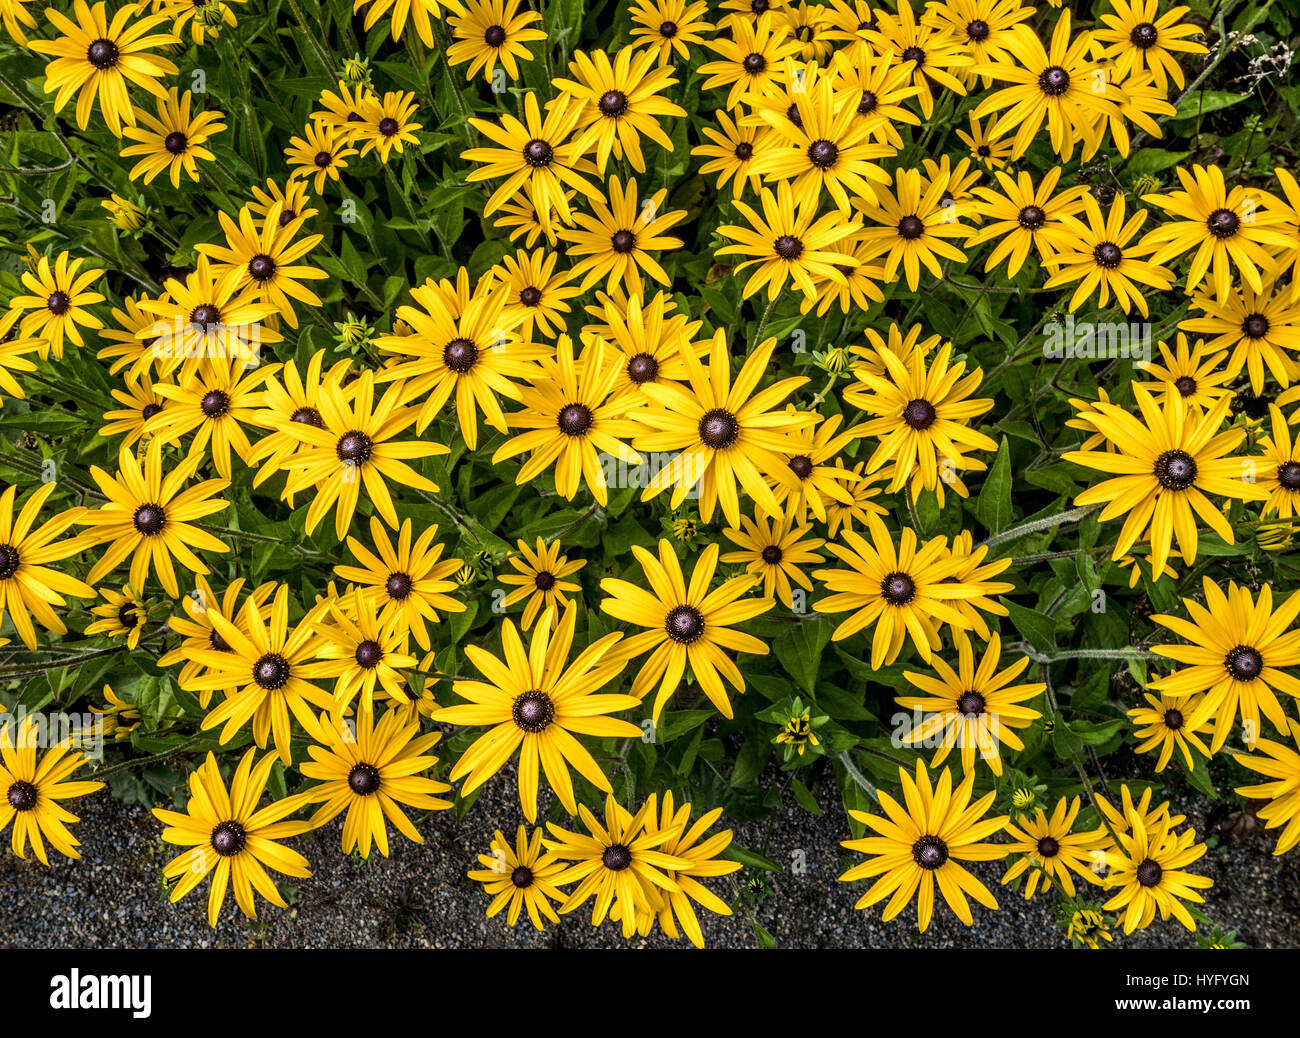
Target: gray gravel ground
{"points": [[421, 898]]}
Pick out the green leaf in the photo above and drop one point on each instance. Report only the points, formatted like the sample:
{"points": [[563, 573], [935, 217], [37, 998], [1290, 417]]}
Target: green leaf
{"points": [[805, 798], [1038, 629], [993, 507], [799, 650], [754, 860], [1095, 733], [1205, 101]]}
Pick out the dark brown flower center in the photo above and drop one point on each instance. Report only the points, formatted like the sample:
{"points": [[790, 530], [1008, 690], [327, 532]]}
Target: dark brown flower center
{"points": [[363, 779], [537, 153], [530, 296], [368, 654], [897, 588], [977, 30], [801, 465], [323, 159], [915, 54], [1175, 470], [522, 877], [205, 316], [149, 519], [771, 554], [911, 227], [754, 63], [623, 241], [9, 561], [543, 580], [354, 448], [929, 852], [23, 795], [1149, 873], [533, 711], [176, 142], [1185, 384], [744, 151], [460, 355], [1107, 254], [126, 615], [494, 36], [919, 414], [1144, 35], [1048, 847], [612, 103], [1288, 474], [102, 54], [788, 247], [1032, 217], [574, 420], [149, 410], [217, 642], [58, 303], [287, 216], [642, 368], [271, 671], [1054, 81], [684, 624], [228, 839], [823, 154], [398, 585], [1223, 223], [718, 428], [388, 126], [1173, 719], [1255, 326], [214, 404], [616, 858], [261, 267], [667, 30], [1244, 663], [308, 416], [971, 704]]}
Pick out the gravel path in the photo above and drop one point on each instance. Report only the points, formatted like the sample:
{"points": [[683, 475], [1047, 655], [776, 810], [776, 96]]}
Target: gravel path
{"points": [[421, 898]]}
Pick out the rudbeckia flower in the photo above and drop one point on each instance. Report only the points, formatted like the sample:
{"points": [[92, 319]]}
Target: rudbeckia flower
{"points": [[409, 582], [536, 701], [29, 587], [173, 141], [95, 58], [149, 517], [231, 839], [619, 863], [688, 625], [370, 773], [33, 788], [724, 432], [972, 708], [540, 579], [1240, 650], [271, 665], [490, 31], [1164, 465], [357, 449], [616, 241], [59, 303], [920, 843], [520, 877], [1281, 766], [573, 421], [1048, 852], [903, 591], [1149, 870]]}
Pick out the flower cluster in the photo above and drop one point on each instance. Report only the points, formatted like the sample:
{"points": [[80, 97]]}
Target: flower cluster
{"points": [[398, 337]]}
